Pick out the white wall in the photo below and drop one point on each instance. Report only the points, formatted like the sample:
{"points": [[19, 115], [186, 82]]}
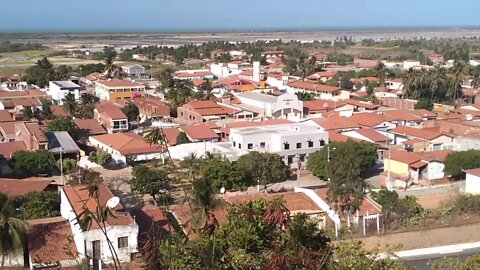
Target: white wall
{"points": [[472, 184], [435, 170], [58, 93]]}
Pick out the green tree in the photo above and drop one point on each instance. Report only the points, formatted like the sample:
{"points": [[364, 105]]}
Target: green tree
{"points": [[223, 173], [32, 163], [131, 111], [27, 113], [423, 103], [457, 162], [352, 255], [305, 96], [69, 103], [35, 205], [385, 196], [46, 109], [150, 181], [41, 73], [12, 230], [346, 183], [68, 164], [460, 69], [366, 157], [381, 72], [62, 124], [182, 138], [263, 168], [102, 158]]}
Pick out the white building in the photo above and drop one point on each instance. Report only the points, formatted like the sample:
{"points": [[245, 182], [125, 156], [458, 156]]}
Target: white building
{"points": [[290, 141], [472, 183], [133, 70], [121, 229], [59, 89], [410, 63], [286, 106]]}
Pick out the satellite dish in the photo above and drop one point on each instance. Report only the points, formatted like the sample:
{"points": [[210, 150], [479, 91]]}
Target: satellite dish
{"points": [[222, 190], [113, 202]]}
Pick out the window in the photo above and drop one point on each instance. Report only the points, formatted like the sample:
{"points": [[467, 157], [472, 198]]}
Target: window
{"points": [[123, 242], [310, 144], [299, 145], [286, 146], [234, 144], [239, 146], [262, 144], [250, 146], [322, 142]]}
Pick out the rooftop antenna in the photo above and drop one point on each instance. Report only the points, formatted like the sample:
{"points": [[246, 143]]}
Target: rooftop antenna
{"points": [[113, 202]]}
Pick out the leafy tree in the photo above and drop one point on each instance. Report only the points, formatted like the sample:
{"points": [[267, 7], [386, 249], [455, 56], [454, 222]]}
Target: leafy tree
{"points": [[102, 158], [305, 96], [131, 111], [62, 124], [381, 72], [426, 104], [263, 168], [351, 255], [27, 113], [149, 181], [69, 103], [46, 109], [317, 161], [456, 162], [460, 69], [385, 196], [41, 73], [36, 205], [12, 230], [68, 164], [222, 172], [346, 183], [31, 163], [82, 176], [182, 138]]}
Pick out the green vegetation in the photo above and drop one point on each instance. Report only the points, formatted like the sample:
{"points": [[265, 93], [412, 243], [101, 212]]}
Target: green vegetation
{"points": [[100, 157], [7, 46], [457, 162], [223, 173], [131, 111], [62, 124], [13, 231], [35, 205], [365, 155], [182, 138], [423, 103], [32, 163], [68, 164], [149, 181]]}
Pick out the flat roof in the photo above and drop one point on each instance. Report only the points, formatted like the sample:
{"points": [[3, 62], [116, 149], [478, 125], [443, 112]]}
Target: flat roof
{"points": [[61, 139], [277, 129], [68, 84], [258, 96]]}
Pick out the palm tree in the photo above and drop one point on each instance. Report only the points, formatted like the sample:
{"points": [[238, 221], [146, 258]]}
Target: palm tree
{"points": [[27, 113], [438, 77], [12, 230], [69, 103], [381, 72], [204, 201], [459, 71], [192, 164], [475, 73]]}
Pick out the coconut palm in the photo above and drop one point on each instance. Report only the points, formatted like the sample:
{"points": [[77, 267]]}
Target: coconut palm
{"points": [[459, 70], [12, 230], [204, 201], [69, 103], [438, 78], [381, 72], [475, 73]]}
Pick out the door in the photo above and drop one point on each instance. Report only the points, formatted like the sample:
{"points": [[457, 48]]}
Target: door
{"points": [[96, 254]]}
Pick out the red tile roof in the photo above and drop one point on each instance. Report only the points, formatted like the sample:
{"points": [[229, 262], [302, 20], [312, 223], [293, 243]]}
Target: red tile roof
{"points": [[91, 126], [7, 128], [50, 241], [79, 198], [128, 143], [368, 119], [404, 157], [20, 187], [193, 74], [336, 123], [337, 137], [7, 149], [171, 134], [475, 172], [322, 105], [424, 113], [314, 87], [367, 206], [111, 110], [416, 132], [34, 129], [6, 116], [372, 134], [199, 132], [362, 104]]}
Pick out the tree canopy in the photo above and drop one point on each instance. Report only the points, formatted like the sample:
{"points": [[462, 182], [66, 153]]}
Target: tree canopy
{"points": [[456, 162], [263, 168], [131, 111], [35, 205], [62, 124], [223, 173], [31, 163], [150, 181]]}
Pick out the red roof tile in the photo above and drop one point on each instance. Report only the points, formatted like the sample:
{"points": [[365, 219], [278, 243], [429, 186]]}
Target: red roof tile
{"points": [[415, 132], [372, 134], [91, 126], [6, 116], [7, 149], [128, 143], [314, 87], [199, 132], [111, 110], [20, 187]]}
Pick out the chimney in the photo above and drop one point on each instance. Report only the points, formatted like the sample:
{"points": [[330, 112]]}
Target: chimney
{"points": [[256, 71]]}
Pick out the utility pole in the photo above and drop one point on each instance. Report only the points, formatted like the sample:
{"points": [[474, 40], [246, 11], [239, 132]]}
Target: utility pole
{"points": [[61, 166]]}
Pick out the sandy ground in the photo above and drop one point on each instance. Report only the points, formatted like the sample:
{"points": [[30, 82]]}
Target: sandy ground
{"points": [[433, 201], [425, 238]]}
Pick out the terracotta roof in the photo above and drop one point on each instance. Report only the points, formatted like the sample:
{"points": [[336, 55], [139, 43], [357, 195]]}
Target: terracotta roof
{"points": [[363, 79], [424, 113], [89, 126], [401, 115], [337, 137], [294, 201], [20, 187], [171, 134], [7, 149], [119, 83], [50, 241], [111, 110], [80, 200], [59, 110], [335, 123], [475, 172], [16, 94], [193, 74], [7, 128], [128, 143], [198, 82], [199, 132], [321, 74], [404, 157], [322, 105], [367, 206], [438, 156], [146, 217], [372, 134], [314, 87], [153, 107], [368, 119], [34, 129], [418, 164], [6, 116], [416, 132]]}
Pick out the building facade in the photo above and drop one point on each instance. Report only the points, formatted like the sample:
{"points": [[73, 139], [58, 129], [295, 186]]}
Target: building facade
{"points": [[114, 89], [59, 89]]}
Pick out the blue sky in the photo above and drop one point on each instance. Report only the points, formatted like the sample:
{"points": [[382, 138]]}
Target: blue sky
{"points": [[97, 15]]}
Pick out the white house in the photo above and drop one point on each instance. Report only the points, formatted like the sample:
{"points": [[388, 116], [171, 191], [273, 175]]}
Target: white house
{"points": [[410, 63], [472, 184], [286, 106], [59, 89], [121, 229], [133, 70], [290, 141]]}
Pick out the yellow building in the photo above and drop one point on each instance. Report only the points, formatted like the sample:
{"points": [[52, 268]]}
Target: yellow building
{"points": [[114, 89]]}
